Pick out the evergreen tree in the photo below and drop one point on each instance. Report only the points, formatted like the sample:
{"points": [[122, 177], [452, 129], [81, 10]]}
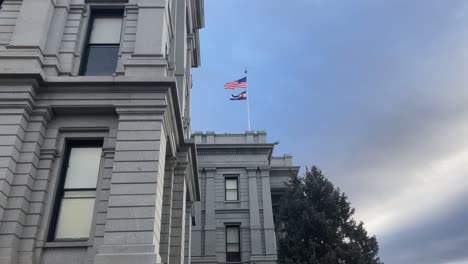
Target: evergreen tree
{"points": [[315, 225]]}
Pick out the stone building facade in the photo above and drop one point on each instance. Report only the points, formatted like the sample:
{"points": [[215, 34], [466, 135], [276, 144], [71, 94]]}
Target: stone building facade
{"points": [[240, 182], [96, 160]]}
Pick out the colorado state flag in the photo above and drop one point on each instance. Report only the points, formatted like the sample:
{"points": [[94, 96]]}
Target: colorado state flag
{"points": [[241, 96]]}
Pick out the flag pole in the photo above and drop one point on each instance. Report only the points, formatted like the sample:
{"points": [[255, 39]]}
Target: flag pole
{"points": [[248, 104]]}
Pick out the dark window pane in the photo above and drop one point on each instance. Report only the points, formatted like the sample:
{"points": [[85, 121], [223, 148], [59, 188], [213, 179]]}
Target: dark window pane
{"points": [[233, 257], [232, 248], [102, 60], [232, 244]]}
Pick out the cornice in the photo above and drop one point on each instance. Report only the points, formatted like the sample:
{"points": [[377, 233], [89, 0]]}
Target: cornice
{"points": [[108, 83], [235, 149], [141, 109], [43, 111], [281, 171]]}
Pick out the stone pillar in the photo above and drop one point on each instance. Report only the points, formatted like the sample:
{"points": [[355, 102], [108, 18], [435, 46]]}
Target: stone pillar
{"points": [[188, 232], [31, 182], [179, 196], [181, 51], [33, 24], [133, 221], [57, 28], [13, 124], [210, 217], [55, 36], [268, 225], [78, 15], [167, 210], [151, 44], [255, 228], [24, 54]]}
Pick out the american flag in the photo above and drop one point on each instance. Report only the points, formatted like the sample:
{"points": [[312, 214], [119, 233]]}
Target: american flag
{"points": [[241, 83]]}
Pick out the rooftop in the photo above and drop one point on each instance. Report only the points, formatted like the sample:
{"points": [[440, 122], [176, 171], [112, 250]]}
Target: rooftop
{"points": [[249, 137]]}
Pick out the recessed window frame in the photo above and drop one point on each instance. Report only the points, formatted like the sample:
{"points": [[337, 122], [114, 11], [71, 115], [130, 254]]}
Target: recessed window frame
{"points": [[60, 190], [226, 189], [101, 11], [237, 254]]}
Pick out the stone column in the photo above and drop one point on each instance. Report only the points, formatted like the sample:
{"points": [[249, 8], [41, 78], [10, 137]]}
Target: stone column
{"points": [[13, 124], [188, 232], [181, 51], [167, 210], [210, 217], [268, 225], [78, 16], [33, 24], [255, 228], [31, 182], [151, 44], [57, 28], [133, 221], [179, 196], [55, 36], [24, 54]]}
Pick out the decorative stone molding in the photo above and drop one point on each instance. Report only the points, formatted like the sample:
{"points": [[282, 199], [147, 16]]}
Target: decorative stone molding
{"points": [[233, 151], [170, 163], [139, 109]]}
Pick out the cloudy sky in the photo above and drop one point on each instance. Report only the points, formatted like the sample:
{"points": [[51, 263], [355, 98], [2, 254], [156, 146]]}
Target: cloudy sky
{"points": [[374, 92]]}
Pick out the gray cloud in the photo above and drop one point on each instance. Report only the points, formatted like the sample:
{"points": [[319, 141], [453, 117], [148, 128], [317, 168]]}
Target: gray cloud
{"points": [[372, 91]]}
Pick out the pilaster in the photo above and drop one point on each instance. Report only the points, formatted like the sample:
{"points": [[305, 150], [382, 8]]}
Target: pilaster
{"points": [[255, 228], [133, 221], [179, 199], [268, 225], [188, 232], [13, 126], [76, 20], [33, 23], [25, 54], [55, 36], [210, 217], [151, 45], [181, 46], [167, 210], [29, 183]]}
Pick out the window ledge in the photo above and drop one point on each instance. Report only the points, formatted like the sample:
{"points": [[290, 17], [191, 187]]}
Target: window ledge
{"points": [[65, 244], [229, 201]]}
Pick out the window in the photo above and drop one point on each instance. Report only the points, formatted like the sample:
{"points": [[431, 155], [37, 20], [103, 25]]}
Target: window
{"points": [[102, 50], [74, 206], [231, 184], [233, 244]]}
